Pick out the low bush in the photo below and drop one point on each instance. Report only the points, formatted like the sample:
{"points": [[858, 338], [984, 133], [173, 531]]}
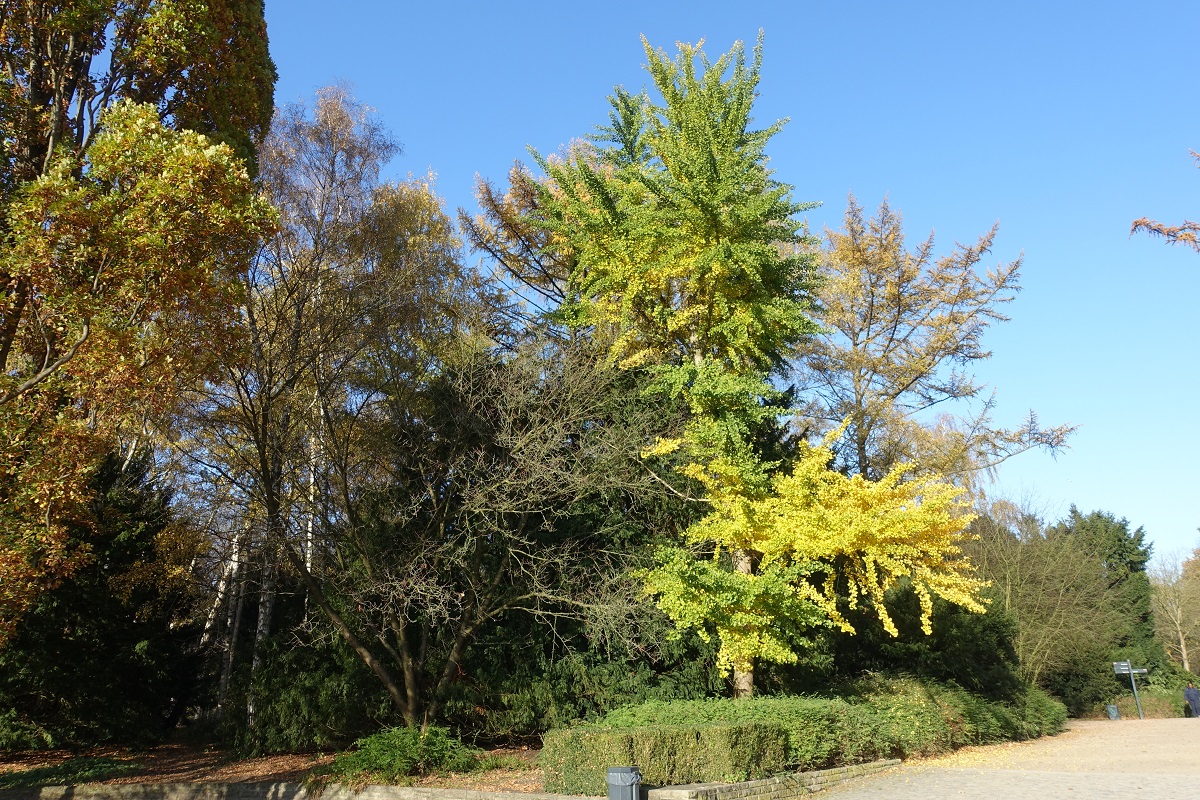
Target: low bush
{"points": [[974, 720], [712, 740], [575, 760], [1157, 703], [18, 734], [396, 754], [1041, 714]]}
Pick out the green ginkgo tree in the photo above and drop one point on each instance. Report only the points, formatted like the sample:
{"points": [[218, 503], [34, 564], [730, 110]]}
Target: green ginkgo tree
{"points": [[692, 264]]}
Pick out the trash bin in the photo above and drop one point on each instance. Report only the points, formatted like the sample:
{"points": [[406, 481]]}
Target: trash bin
{"points": [[623, 783], [1113, 713]]}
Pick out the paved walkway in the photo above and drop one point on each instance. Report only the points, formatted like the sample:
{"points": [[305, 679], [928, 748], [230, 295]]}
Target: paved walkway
{"points": [[1091, 760]]}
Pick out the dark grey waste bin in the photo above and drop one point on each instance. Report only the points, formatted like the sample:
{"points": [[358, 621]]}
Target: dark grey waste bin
{"points": [[623, 783], [1113, 713]]}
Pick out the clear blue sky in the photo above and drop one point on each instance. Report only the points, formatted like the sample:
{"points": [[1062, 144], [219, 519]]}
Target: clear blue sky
{"points": [[1061, 122]]}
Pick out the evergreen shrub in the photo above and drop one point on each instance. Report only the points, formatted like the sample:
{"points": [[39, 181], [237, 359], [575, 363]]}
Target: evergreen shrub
{"points": [[318, 696], [576, 759], [18, 734], [393, 755]]}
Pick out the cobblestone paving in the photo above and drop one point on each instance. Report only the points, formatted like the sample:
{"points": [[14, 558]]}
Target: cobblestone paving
{"points": [[1091, 760]]}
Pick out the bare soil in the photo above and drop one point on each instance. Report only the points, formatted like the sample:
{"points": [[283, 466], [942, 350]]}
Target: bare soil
{"points": [[177, 763]]}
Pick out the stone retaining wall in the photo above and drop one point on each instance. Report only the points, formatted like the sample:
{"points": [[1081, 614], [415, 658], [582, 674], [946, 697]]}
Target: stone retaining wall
{"points": [[782, 787]]}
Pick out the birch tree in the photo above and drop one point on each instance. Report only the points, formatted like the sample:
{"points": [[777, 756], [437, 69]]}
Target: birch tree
{"points": [[1175, 596]]}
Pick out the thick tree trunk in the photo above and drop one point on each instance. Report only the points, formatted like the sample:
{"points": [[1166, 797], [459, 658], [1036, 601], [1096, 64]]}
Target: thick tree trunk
{"points": [[451, 669], [743, 680], [743, 683]]}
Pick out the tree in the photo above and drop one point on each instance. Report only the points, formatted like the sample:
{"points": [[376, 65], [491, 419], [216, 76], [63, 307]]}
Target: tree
{"points": [[122, 290], [900, 328], [676, 225], [815, 532], [1052, 585], [1186, 234], [675, 228], [123, 226], [355, 264], [1078, 592], [457, 511], [1123, 555], [690, 264], [533, 273], [64, 68], [108, 655], [1175, 600]]}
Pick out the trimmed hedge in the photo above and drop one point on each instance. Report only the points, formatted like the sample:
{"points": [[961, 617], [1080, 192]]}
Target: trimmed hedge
{"points": [[820, 731], [694, 741], [576, 759]]}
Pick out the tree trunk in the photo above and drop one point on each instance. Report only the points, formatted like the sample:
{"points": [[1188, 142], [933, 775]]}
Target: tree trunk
{"points": [[743, 683], [743, 680], [233, 626], [316, 593], [228, 576], [266, 608]]}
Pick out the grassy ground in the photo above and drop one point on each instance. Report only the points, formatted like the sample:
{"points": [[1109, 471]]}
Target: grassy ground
{"points": [[69, 772]]}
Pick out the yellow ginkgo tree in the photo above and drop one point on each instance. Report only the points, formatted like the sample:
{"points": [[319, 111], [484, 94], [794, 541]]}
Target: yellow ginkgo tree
{"points": [[815, 529], [691, 262]]}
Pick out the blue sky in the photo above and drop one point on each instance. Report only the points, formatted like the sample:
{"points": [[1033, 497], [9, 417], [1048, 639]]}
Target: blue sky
{"points": [[1063, 124]]}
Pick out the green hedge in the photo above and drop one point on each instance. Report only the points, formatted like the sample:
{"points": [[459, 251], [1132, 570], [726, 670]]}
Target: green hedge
{"points": [[819, 731], [576, 759], [693, 741]]}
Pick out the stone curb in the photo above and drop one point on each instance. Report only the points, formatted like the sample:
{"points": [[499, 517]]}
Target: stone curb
{"points": [[781, 787], [262, 791]]}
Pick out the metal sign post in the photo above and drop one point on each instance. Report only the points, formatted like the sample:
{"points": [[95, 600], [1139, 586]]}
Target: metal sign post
{"points": [[1126, 668]]}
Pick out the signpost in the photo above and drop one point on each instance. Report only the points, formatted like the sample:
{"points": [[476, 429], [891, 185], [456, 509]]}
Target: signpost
{"points": [[1126, 668]]}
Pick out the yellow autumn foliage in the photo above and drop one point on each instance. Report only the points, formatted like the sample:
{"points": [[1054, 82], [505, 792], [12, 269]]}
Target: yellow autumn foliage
{"points": [[816, 528]]}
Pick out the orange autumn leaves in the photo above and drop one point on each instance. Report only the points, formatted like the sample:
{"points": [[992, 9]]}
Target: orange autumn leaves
{"points": [[122, 288]]}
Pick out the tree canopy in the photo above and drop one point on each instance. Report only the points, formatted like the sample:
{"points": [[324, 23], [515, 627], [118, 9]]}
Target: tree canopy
{"points": [[1187, 233], [274, 448], [901, 330], [692, 262]]}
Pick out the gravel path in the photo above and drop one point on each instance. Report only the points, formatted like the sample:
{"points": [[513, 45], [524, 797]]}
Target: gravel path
{"points": [[1157, 758]]}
